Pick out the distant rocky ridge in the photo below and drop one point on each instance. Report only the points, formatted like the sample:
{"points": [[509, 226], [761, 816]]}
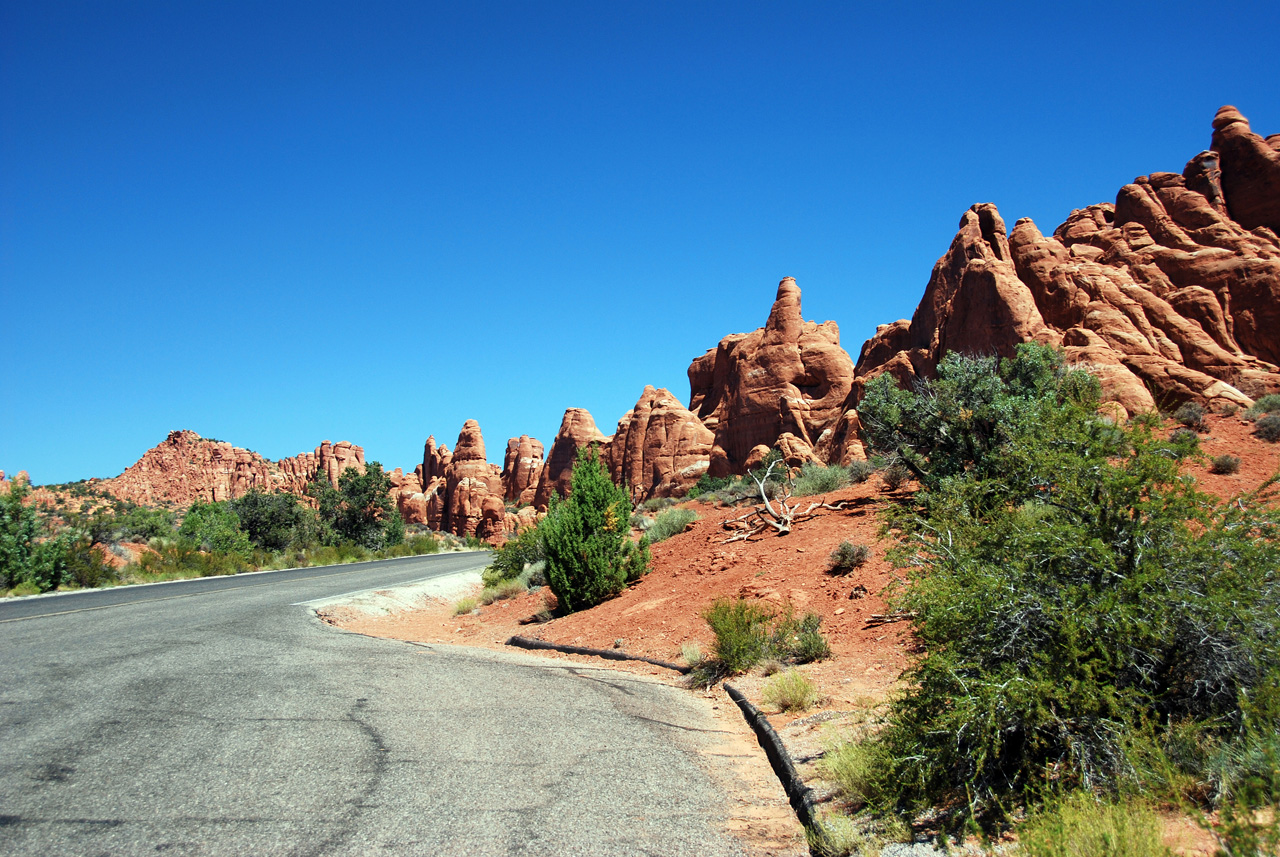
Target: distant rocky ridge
{"points": [[185, 468], [1169, 294]]}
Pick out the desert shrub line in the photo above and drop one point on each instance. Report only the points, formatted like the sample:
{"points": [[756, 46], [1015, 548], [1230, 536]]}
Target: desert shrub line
{"points": [[670, 522]]}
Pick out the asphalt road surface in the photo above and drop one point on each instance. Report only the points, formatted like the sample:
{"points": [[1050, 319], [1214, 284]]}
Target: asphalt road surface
{"points": [[218, 716]]}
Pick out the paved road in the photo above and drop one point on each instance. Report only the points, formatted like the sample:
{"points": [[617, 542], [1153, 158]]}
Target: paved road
{"points": [[220, 717]]}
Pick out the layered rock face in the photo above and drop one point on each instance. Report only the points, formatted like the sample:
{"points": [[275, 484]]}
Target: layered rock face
{"points": [[186, 467], [521, 467], [789, 377], [577, 431], [660, 448], [1164, 294]]}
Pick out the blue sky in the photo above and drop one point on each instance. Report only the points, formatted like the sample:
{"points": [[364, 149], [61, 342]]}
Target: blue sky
{"points": [[276, 223]]}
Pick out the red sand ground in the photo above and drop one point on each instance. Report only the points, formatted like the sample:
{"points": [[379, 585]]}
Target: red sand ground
{"points": [[690, 570]]}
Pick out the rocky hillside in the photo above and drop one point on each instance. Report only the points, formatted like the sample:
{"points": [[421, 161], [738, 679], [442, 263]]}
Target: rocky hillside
{"points": [[1169, 294], [186, 467]]}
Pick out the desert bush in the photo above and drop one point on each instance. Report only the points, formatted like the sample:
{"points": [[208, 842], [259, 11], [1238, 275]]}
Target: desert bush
{"points": [[464, 605], [798, 641], [1191, 415], [691, 652], [1224, 464], [670, 522], [510, 560], [640, 522], [360, 510], [654, 504], [742, 633], [1184, 441], [177, 558], [859, 770], [746, 633], [503, 590], [860, 471], [895, 475], [1068, 589], [815, 478], [1268, 427], [215, 527], [273, 521], [1268, 404], [790, 691], [848, 556], [590, 556], [1083, 826], [415, 545]]}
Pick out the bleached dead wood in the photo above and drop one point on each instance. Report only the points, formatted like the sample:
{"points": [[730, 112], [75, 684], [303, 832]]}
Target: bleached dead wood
{"points": [[773, 513]]}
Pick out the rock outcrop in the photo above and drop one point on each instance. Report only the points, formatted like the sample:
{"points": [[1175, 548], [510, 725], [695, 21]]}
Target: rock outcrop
{"points": [[521, 467], [473, 503], [577, 431], [660, 448], [186, 467], [791, 376], [1163, 294]]}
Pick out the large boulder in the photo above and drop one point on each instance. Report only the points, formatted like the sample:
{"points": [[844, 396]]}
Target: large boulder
{"points": [[790, 376], [660, 448], [577, 431]]}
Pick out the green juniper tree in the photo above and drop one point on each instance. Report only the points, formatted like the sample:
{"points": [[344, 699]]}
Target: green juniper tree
{"points": [[586, 538]]}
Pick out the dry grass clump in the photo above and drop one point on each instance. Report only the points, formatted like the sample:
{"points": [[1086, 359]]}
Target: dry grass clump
{"points": [[1224, 465], [463, 606], [847, 557], [790, 691]]}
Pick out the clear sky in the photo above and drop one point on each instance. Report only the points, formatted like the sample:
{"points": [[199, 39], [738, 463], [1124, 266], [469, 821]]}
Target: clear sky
{"points": [[275, 223]]}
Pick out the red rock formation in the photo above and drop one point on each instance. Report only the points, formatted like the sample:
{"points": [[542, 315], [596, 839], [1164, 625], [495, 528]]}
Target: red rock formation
{"points": [[577, 431], [660, 448], [1162, 295], [186, 467], [473, 489], [1250, 168], [407, 494], [789, 376], [521, 468]]}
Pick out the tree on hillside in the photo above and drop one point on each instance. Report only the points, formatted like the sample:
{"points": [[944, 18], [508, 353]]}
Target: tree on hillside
{"points": [[360, 510], [586, 538], [273, 521], [215, 527]]}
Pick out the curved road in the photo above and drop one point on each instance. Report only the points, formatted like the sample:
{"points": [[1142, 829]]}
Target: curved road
{"points": [[218, 716]]}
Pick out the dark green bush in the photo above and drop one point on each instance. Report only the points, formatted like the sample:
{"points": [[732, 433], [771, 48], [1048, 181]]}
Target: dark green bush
{"points": [[742, 633], [274, 522], [360, 510], [510, 560], [848, 556], [1191, 415], [215, 527], [1268, 428], [586, 539], [1071, 592]]}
